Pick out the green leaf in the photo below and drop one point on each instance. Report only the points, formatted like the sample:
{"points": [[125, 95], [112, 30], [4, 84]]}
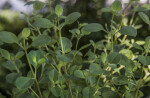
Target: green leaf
{"points": [[37, 5], [135, 45], [56, 91], [106, 10], [71, 18], [145, 60], [86, 92], [93, 27], [58, 10], [8, 37], [128, 53], [113, 58], [65, 58], [120, 80], [11, 78], [19, 54], [42, 23], [116, 6], [41, 61], [128, 30], [95, 69], [144, 17], [79, 74], [5, 54], [66, 43], [24, 82], [41, 40], [35, 56], [26, 32]]}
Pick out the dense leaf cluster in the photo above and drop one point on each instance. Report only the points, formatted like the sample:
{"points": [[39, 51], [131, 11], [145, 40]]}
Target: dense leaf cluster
{"points": [[109, 69]]}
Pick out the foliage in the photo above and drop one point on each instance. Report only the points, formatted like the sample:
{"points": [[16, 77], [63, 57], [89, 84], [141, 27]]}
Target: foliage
{"points": [[115, 67]]}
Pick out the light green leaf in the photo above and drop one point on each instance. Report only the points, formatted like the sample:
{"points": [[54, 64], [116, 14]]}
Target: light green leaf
{"points": [[128, 53], [79, 74], [26, 32], [71, 18], [8, 37], [93, 27], [41, 40], [58, 10], [145, 60], [144, 17], [66, 43], [42, 23], [95, 69], [41, 61], [37, 5], [5, 54], [116, 6], [24, 82], [128, 30]]}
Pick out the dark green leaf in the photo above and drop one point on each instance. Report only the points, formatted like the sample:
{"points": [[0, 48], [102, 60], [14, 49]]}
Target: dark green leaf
{"points": [[41, 40], [66, 43], [135, 45], [8, 37], [93, 27], [37, 5], [145, 60], [71, 18], [5, 54], [24, 82], [19, 54], [128, 30], [65, 58], [144, 17], [95, 69], [11, 78], [79, 74], [106, 10], [42, 23], [120, 80], [116, 6]]}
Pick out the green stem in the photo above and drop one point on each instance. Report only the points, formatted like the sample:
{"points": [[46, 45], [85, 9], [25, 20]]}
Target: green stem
{"points": [[33, 73], [78, 39], [34, 93], [112, 33]]}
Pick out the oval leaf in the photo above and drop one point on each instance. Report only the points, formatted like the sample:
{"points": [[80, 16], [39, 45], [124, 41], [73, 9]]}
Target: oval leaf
{"points": [[145, 60], [93, 27], [66, 44], [71, 18], [79, 74], [24, 82], [116, 6], [8, 37], [41, 40], [144, 17], [58, 10], [37, 5], [128, 30], [42, 23]]}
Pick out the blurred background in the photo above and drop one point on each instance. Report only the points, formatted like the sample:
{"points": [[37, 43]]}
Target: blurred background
{"points": [[12, 20]]}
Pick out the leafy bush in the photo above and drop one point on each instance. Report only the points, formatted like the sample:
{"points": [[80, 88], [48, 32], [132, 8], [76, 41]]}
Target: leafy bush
{"points": [[115, 67]]}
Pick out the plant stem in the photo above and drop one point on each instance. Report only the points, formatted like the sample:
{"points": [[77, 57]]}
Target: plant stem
{"points": [[33, 73], [34, 93], [78, 39], [112, 33]]}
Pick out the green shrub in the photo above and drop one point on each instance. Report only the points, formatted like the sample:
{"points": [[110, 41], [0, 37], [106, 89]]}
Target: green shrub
{"points": [[116, 67]]}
